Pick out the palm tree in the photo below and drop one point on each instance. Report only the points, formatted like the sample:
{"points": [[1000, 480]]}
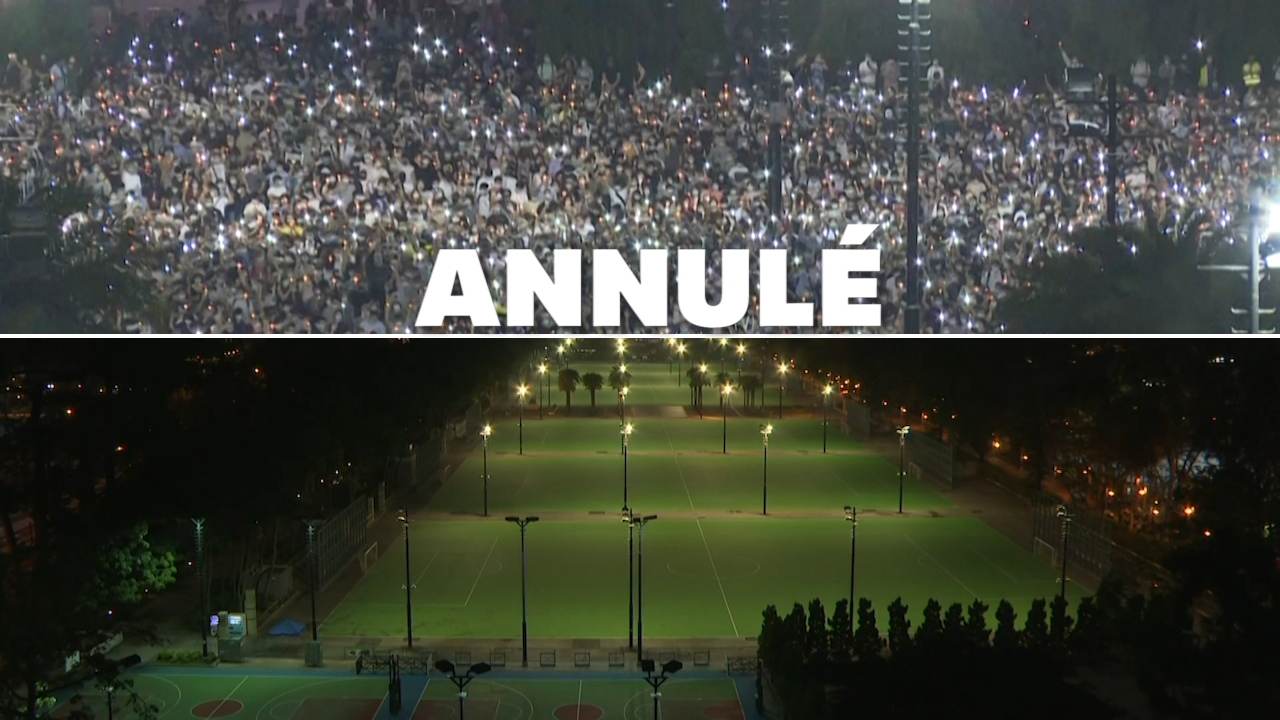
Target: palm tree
{"points": [[1129, 281], [619, 379], [750, 386], [593, 382], [569, 380], [697, 381]]}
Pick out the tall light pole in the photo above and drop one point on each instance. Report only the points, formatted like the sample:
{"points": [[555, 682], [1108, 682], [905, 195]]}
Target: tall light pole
{"points": [[724, 342], [851, 515], [636, 521], [542, 370], [826, 400], [312, 525], [524, 586], [461, 681], [782, 382], [622, 351], [742, 350], [765, 432], [403, 517], [522, 391], [669, 668], [680, 348], [726, 391], [902, 458], [485, 432], [622, 408], [702, 380], [628, 517], [1066, 517], [202, 577], [626, 441]]}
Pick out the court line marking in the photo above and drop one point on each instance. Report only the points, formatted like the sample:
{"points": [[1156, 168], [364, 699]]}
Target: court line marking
{"points": [[434, 555], [993, 564], [228, 697], [579, 700], [481, 573], [940, 566], [175, 687], [714, 571]]}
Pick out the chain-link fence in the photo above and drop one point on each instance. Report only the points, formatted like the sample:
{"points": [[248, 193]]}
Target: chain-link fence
{"points": [[1088, 539], [930, 459], [859, 422], [340, 538]]}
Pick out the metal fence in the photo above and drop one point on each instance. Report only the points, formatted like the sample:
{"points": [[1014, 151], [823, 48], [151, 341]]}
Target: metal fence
{"points": [[859, 420], [340, 538], [1089, 545], [931, 459]]}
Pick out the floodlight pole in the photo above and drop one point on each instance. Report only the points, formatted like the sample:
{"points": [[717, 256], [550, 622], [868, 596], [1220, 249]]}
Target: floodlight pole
{"points": [[633, 520], [782, 381], [724, 430], [202, 578], [521, 411], [484, 434], [1065, 515], [826, 395], [851, 514], [408, 580], [626, 437], [629, 518], [902, 458], [524, 587], [315, 579], [764, 433]]}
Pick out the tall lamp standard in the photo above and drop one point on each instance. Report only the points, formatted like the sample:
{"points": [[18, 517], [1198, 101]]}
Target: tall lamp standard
{"points": [[765, 432], [680, 348], [524, 586], [635, 521], [542, 370], [485, 432], [851, 515], [626, 441], [522, 391], [742, 350], [826, 400], [726, 391], [782, 382], [903, 432], [403, 517], [669, 668], [1065, 516], [702, 379], [462, 681], [202, 577], [724, 342], [311, 553], [622, 352], [622, 408]]}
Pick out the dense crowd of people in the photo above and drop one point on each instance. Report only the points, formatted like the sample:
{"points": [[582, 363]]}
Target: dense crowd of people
{"points": [[298, 175]]}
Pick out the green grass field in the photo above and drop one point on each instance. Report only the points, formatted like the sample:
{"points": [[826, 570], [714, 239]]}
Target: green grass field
{"points": [[328, 695], [655, 384], [712, 560]]}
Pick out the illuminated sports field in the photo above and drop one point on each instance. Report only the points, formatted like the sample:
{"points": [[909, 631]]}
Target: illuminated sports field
{"points": [[712, 560]]}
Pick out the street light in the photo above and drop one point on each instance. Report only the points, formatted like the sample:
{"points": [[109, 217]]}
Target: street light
{"points": [[542, 370], [635, 521], [669, 668], [626, 438], [826, 400], [524, 586], [724, 342], [702, 378], [622, 407], [462, 681], [311, 556], [679, 363], [522, 391], [782, 381], [851, 515], [484, 434], [622, 351], [403, 517], [1066, 518], [902, 458], [742, 349], [765, 432], [202, 577], [726, 391]]}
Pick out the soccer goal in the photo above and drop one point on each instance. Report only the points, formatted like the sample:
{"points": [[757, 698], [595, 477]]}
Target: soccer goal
{"points": [[368, 558], [913, 470], [1046, 552]]}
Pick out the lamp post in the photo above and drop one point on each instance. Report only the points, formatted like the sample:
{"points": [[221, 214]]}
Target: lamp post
{"points": [[202, 578], [622, 409], [680, 348], [635, 521], [851, 515], [626, 440], [742, 349], [622, 351], [765, 432], [669, 668], [826, 400], [110, 688], [403, 517], [522, 391], [724, 342], [542, 370], [782, 381], [702, 379], [902, 458], [461, 681], [524, 586], [726, 391], [1065, 516], [485, 432], [315, 579]]}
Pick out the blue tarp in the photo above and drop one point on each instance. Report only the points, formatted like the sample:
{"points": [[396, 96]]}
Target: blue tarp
{"points": [[288, 628]]}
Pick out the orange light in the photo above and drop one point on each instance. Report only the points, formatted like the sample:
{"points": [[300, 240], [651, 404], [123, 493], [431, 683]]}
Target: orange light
{"points": [[1111, 493], [1189, 510], [1142, 491], [996, 444], [1206, 533]]}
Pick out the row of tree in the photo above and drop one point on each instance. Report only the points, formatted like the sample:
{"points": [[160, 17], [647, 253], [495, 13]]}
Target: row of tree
{"points": [[109, 449]]}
